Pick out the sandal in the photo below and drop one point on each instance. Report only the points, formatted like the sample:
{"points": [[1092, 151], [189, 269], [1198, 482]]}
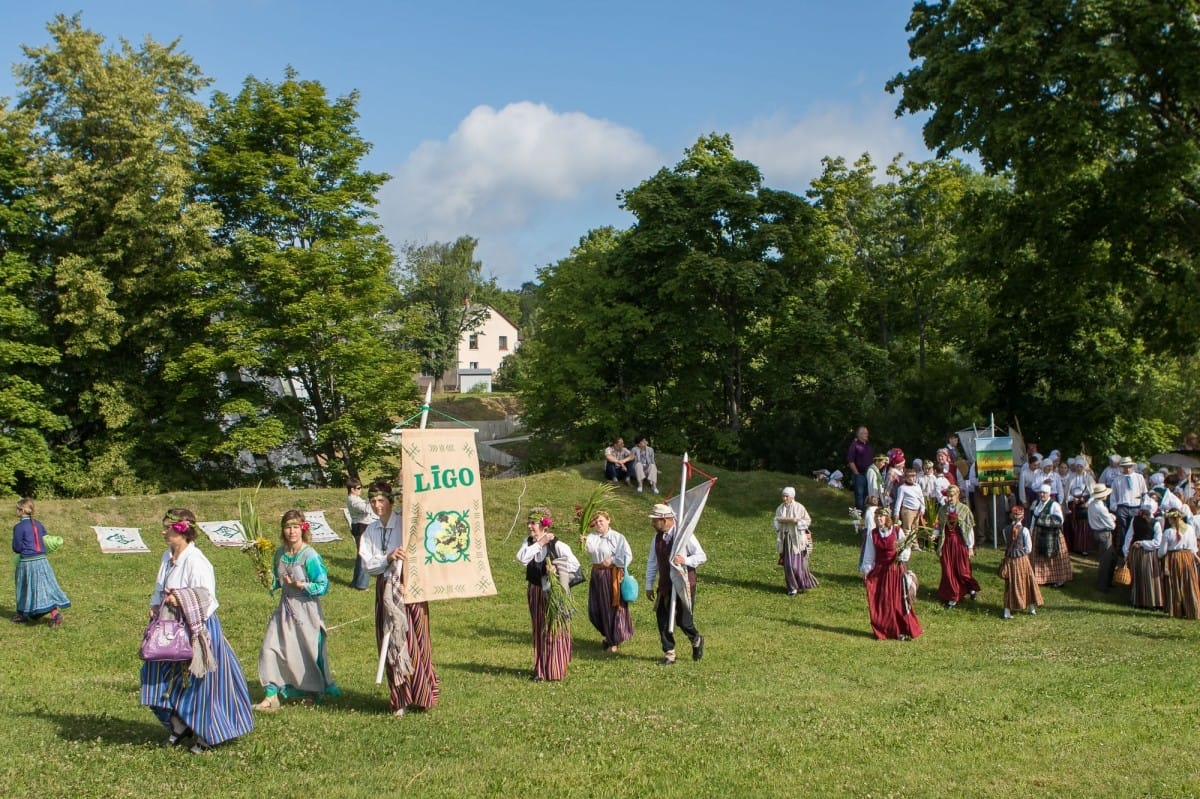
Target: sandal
{"points": [[56, 622], [199, 748], [269, 704], [20, 618]]}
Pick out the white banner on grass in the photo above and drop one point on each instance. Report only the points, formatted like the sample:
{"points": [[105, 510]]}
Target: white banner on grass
{"points": [[225, 534], [120, 540], [318, 527]]}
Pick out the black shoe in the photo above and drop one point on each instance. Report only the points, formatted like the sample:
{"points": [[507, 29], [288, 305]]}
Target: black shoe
{"points": [[667, 662], [698, 648]]}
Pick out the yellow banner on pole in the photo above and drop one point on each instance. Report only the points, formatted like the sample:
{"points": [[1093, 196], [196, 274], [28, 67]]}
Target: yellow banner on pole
{"points": [[442, 507]]}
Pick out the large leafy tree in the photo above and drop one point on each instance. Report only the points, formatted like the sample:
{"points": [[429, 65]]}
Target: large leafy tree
{"points": [[444, 288], [302, 321], [123, 237], [26, 355], [660, 328], [1091, 109]]}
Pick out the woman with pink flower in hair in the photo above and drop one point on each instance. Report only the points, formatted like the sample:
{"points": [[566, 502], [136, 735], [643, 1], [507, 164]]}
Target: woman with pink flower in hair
{"points": [[294, 660], [204, 701], [548, 563]]}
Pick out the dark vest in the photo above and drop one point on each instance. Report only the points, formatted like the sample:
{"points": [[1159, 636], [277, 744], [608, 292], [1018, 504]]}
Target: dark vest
{"points": [[662, 553], [1143, 528], [534, 571]]}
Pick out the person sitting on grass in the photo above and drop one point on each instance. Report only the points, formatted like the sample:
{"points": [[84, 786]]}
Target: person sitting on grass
{"points": [[618, 463]]}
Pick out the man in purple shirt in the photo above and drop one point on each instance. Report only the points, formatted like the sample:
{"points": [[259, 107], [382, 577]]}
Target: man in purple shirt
{"points": [[859, 459]]}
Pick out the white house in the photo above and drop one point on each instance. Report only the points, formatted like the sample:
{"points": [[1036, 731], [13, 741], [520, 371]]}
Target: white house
{"points": [[480, 353]]}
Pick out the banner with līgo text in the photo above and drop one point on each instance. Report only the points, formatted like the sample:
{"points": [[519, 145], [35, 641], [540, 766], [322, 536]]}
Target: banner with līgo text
{"points": [[442, 507]]}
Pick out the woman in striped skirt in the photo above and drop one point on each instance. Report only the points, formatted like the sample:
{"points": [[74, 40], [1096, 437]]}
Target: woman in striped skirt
{"points": [[549, 563], [205, 701], [1181, 585], [412, 680], [611, 557], [793, 542], [1141, 553], [1020, 588]]}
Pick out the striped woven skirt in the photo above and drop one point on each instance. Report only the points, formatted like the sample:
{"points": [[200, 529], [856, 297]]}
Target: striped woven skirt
{"points": [[1020, 587], [1050, 570], [611, 621], [551, 653], [38, 591], [216, 707], [1181, 586], [1146, 571], [422, 688]]}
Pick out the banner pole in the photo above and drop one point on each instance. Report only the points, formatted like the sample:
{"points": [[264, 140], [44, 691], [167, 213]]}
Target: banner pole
{"points": [[671, 565]]}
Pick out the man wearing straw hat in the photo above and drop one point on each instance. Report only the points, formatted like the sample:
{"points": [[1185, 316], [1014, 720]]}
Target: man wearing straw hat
{"points": [[1102, 524], [689, 557]]}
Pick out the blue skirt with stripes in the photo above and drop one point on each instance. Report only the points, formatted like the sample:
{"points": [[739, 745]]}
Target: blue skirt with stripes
{"points": [[216, 707], [38, 592]]}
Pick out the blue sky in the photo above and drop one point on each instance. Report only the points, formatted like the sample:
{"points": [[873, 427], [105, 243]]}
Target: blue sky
{"points": [[517, 123]]}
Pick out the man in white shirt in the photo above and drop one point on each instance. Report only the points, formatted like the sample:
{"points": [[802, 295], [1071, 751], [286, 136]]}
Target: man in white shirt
{"points": [[1127, 494], [691, 556], [1102, 524]]}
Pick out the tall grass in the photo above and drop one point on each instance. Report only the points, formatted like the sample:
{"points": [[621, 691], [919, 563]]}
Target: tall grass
{"points": [[793, 698]]}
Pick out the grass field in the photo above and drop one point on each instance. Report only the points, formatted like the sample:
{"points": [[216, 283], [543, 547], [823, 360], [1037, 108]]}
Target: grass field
{"points": [[794, 697]]}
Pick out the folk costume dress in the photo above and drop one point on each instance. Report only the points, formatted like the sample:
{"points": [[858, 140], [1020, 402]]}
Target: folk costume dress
{"points": [[551, 650], [793, 542], [1051, 560], [1141, 553], [294, 660], [892, 614], [412, 680], [216, 706], [607, 612], [1020, 588], [956, 541], [1181, 583], [38, 592]]}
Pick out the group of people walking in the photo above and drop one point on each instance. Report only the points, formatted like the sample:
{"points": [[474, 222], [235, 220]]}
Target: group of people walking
{"points": [[551, 568]]}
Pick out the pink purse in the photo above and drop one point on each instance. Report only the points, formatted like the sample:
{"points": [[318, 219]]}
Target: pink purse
{"points": [[166, 638]]}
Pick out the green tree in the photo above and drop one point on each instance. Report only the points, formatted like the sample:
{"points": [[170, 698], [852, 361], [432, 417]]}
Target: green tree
{"points": [[25, 409], [443, 286], [301, 321], [1091, 110], [112, 170]]}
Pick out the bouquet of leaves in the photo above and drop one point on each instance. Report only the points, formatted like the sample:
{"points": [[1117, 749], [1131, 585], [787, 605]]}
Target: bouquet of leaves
{"points": [[259, 548], [559, 607], [584, 514], [909, 540]]}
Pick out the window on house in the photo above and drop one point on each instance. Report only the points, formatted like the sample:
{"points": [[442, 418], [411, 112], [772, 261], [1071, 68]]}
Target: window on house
{"points": [[473, 342], [473, 365], [503, 343]]}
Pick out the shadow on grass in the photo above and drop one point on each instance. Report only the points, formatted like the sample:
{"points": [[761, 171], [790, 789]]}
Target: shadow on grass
{"points": [[102, 727], [853, 632], [749, 585], [488, 669], [524, 636]]}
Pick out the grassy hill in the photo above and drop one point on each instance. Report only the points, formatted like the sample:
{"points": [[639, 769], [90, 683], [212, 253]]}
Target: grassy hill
{"points": [[794, 696]]}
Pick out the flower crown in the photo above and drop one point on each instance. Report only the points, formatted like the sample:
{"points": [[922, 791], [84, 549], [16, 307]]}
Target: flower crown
{"points": [[178, 523]]}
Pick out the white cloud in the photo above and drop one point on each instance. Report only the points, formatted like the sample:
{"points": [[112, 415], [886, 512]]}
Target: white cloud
{"points": [[508, 174], [789, 152]]}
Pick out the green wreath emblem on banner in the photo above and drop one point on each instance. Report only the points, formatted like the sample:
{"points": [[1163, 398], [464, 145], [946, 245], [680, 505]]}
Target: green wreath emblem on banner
{"points": [[447, 536]]}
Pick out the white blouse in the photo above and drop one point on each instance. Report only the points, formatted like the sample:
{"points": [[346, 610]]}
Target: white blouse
{"points": [[611, 545], [380, 538], [190, 570]]}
